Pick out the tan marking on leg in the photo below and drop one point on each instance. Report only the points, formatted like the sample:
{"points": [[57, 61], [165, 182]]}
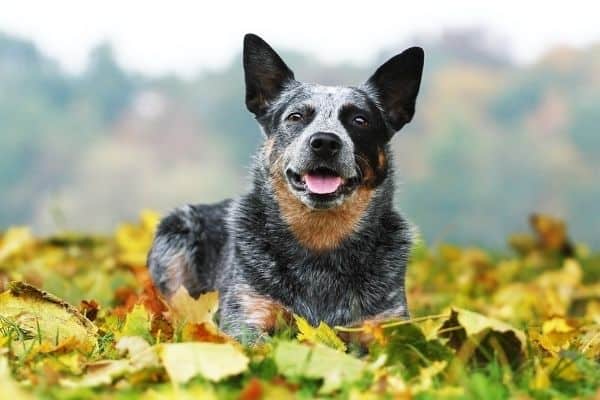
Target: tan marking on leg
{"points": [[262, 311], [320, 230]]}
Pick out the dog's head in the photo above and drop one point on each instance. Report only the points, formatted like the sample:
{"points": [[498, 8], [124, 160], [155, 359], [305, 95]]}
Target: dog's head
{"points": [[326, 142]]}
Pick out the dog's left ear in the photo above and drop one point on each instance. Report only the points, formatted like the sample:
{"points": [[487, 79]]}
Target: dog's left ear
{"points": [[265, 72], [396, 84]]}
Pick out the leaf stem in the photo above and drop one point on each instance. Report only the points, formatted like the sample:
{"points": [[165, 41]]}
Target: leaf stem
{"points": [[393, 324]]}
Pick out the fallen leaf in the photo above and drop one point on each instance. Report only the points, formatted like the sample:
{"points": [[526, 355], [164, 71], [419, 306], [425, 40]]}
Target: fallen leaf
{"points": [[252, 391], [322, 334], [134, 240], [138, 322], [472, 334], [203, 333], [46, 318], [9, 387], [141, 355], [295, 360], [14, 240], [213, 361], [185, 309], [99, 373], [557, 334]]}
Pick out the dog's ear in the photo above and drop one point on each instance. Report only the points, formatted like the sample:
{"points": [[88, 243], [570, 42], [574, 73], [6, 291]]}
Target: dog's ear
{"points": [[265, 72], [396, 85]]}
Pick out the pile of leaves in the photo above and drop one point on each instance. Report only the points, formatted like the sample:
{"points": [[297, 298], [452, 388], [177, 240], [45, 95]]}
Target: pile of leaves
{"points": [[79, 318]]}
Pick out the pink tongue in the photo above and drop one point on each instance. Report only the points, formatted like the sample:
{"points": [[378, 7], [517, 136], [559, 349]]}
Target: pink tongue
{"points": [[320, 184]]}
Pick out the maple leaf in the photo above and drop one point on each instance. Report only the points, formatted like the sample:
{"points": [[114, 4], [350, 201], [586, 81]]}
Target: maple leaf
{"points": [[322, 334], [183, 308], [557, 334]]}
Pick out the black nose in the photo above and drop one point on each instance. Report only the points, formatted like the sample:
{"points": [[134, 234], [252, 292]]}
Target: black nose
{"points": [[325, 144]]}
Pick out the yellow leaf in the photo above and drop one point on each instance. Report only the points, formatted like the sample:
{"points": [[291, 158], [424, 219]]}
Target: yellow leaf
{"points": [[99, 373], [175, 393], [322, 334], [557, 334], [184, 308], [14, 241], [475, 323], [213, 361], [46, 318], [9, 388], [541, 380], [134, 240], [140, 356], [426, 375], [138, 323], [140, 353]]}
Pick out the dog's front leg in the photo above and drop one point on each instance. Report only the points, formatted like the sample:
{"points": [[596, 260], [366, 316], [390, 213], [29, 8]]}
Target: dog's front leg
{"points": [[248, 316]]}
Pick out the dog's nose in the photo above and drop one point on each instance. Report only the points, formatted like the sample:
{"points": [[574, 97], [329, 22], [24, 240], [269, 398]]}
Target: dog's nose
{"points": [[325, 144]]}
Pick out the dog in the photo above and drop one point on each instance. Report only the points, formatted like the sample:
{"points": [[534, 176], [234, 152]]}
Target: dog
{"points": [[317, 234]]}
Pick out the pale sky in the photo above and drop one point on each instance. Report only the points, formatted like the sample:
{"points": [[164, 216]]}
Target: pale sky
{"points": [[186, 36]]}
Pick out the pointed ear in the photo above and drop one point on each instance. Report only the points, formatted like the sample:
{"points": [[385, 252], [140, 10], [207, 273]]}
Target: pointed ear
{"points": [[396, 85], [265, 72]]}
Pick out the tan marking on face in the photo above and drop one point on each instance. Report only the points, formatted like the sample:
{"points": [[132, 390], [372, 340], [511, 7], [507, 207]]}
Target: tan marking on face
{"points": [[268, 147], [320, 230], [262, 311]]}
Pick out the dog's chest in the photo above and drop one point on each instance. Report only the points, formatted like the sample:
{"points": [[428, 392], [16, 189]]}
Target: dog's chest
{"points": [[335, 293]]}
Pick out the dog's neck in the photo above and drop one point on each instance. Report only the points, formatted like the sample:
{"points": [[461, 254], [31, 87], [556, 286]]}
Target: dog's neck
{"points": [[321, 230]]}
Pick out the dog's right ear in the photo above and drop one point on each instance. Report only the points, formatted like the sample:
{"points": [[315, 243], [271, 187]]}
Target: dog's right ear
{"points": [[265, 72]]}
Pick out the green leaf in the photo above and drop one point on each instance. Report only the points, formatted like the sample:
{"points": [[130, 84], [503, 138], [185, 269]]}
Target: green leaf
{"points": [[138, 323], [295, 360]]}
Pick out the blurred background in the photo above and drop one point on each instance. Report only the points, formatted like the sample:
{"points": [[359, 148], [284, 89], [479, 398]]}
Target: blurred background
{"points": [[112, 107]]}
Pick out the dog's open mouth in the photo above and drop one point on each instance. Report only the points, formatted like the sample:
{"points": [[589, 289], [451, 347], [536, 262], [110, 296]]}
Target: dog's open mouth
{"points": [[320, 181]]}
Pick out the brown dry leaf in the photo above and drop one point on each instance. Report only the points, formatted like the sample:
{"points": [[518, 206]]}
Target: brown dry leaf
{"points": [[89, 309], [183, 308], [203, 333], [551, 233]]}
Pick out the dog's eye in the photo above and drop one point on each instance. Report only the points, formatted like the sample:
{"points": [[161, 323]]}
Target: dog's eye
{"points": [[360, 121], [295, 117]]}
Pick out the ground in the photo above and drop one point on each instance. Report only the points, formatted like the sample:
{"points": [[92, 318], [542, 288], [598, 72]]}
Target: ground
{"points": [[79, 318]]}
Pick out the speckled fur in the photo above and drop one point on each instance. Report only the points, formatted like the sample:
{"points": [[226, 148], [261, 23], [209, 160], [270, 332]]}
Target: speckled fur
{"points": [[264, 262]]}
